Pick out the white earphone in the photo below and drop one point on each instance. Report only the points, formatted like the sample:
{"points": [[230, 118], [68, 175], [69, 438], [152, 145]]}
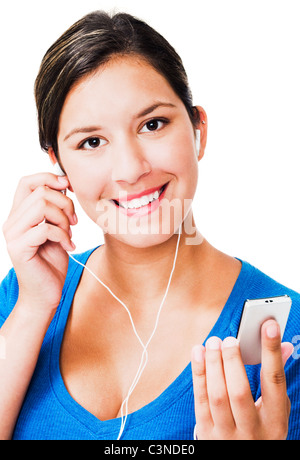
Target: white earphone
{"points": [[57, 170], [198, 140]]}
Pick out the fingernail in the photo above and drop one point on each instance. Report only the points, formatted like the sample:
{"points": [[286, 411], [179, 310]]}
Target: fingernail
{"points": [[75, 219], [213, 343], [229, 342], [272, 331], [198, 353]]}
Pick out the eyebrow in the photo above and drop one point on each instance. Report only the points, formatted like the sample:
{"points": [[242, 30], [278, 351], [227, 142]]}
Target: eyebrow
{"points": [[143, 113], [85, 129], [153, 107]]}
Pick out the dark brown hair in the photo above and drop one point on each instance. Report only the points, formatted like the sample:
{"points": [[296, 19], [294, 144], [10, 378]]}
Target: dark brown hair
{"points": [[90, 43]]}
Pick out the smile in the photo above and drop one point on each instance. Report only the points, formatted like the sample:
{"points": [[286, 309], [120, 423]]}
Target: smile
{"points": [[144, 202]]}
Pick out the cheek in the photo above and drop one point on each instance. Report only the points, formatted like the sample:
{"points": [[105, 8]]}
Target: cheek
{"points": [[86, 175], [179, 159], [88, 184]]}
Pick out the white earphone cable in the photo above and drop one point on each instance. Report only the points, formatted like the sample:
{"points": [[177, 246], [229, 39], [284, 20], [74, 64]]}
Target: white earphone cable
{"points": [[145, 351]]}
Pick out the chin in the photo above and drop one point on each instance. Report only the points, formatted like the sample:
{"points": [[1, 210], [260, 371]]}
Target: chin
{"points": [[145, 241], [140, 240]]}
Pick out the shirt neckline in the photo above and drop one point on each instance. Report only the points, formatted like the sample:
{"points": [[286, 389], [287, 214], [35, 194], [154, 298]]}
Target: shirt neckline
{"points": [[223, 327]]}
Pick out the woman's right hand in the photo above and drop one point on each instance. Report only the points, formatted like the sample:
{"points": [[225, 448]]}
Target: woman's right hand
{"points": [[38, 234]]}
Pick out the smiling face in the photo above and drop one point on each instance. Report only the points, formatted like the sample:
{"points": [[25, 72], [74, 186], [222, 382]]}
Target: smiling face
{"points": [[128, 146]]}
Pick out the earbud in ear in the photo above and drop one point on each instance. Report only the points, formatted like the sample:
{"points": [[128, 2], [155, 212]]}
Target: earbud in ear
{"points": [[198, 140], [57, 170]]}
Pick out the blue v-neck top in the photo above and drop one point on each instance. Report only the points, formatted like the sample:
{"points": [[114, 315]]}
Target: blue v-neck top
{"points": [[50, 413]]}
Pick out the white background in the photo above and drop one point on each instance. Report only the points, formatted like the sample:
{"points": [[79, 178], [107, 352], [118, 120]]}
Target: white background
{"points": [[242, 58]]}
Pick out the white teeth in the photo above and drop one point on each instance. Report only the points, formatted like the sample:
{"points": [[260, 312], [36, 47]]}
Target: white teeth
{"points": [[139, 202]]}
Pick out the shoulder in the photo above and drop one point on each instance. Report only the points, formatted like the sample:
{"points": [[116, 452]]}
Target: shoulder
{"points": [[81, 257], [261, 285], [9, 287], [77, 262], [9, 293]]}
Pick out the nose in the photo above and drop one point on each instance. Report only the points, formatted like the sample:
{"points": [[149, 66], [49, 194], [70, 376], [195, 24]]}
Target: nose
{"points": [[129, 162]]}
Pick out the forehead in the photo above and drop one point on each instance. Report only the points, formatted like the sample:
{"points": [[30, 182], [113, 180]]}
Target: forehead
{"points": [[122, 70], [124, 83]]}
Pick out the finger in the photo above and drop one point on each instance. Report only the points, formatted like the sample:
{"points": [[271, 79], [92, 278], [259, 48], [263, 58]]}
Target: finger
{"points": [[238, 388], [287, 350], [273, 383], [216, 386], [37, 236], [26, 247], [40, 197], [37, 215], [61, 201], [204, 421], [29, 183]]}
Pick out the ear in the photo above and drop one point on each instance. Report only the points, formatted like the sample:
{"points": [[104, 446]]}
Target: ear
{"points": [[54, 160], [52, 156], [202, 127]]}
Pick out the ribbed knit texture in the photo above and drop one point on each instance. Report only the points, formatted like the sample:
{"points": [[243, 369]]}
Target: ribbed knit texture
{"points": [[49, 412]]}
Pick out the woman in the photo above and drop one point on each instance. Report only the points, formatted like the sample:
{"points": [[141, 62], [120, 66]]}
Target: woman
{"points": [[85, 347]]}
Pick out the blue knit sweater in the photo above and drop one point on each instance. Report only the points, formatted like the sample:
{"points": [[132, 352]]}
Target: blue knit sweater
{"points": [[49, 412]]}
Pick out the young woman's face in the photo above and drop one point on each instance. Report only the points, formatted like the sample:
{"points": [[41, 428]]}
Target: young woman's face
{"points": [[127, 145]]}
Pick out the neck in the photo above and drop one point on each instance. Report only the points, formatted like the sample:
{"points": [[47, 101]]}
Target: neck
{"points": [[143, 273]]}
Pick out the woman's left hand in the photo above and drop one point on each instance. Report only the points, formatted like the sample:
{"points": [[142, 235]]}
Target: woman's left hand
{"points": [[224, 405]]}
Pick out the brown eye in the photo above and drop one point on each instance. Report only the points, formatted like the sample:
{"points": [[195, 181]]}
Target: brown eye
{"points": [[153, 125], [93, 143]]}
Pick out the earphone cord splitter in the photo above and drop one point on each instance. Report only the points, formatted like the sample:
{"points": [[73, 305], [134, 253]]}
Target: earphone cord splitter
{"points": [[144, 358]]}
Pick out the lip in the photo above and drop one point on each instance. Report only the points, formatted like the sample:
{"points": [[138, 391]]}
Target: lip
{"points": [[144, 210], [139, 195]]}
